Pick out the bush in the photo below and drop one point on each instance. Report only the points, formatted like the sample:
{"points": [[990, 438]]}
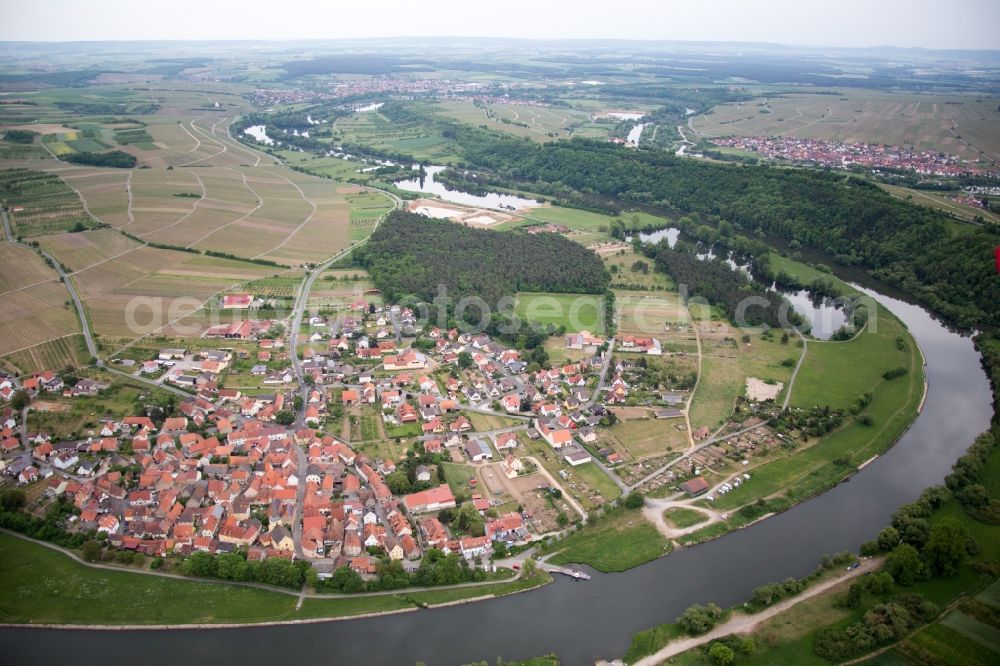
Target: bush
{"points": [[634, 500], [698, 619]]}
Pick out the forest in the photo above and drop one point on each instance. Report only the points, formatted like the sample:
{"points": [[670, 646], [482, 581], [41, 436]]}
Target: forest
{"points": [[847, 217], [115, 158], [411, 255]]}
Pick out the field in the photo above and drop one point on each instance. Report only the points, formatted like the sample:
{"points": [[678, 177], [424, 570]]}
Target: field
{"points": [[835, 377], [202, 191], [375, 130], [55, 354], [619, 541], [48, 204], [958, 124], [33, 312], [727, 362], [682, 518], [648, 313], [649, 437], [577, 312], [535, 122]]}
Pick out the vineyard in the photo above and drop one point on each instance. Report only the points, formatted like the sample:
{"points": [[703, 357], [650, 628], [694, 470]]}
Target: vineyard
{"points": [[40, 203], [79, 251]]}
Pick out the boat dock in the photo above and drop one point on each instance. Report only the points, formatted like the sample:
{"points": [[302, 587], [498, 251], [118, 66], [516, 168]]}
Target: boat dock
{"points": [[572, 573]]}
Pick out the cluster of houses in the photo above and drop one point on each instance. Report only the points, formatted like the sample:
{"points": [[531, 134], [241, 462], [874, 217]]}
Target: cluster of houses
{"points": [[869, 155], [224, 475]]}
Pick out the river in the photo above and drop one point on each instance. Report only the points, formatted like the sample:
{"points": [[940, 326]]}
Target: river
{"points": [[584, 621]]}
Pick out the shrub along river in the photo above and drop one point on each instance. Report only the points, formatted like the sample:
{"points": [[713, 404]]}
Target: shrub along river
{"points": [[584, 621]]}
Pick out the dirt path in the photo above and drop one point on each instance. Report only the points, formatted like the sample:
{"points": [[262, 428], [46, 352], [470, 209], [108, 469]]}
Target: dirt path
{"points": [[742, 624], [653, 510]]}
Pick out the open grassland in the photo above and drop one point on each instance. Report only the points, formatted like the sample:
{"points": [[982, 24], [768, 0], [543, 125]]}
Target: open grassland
{"points": [[618, 541], [835, 377], [681, 518], [577, 312], [649, 437], [628, 273], [957, 124]]}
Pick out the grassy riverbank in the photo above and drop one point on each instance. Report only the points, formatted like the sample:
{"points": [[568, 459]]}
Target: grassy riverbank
{"points": [[837, 375], [43, 586], [615, 542]]}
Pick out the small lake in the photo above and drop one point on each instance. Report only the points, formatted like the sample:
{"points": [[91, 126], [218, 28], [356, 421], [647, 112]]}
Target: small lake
{"points": [[622, 115], [670, 234], [493, 200], [259, 133]]}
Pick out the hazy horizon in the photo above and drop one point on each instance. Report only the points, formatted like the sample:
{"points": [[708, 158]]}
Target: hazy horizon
{"points": [[966, 25]]}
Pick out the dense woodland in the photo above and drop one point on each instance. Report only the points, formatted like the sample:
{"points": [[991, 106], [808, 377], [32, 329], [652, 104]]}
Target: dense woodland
{"points": [[411, 255], [115, 158], [847, 217]]}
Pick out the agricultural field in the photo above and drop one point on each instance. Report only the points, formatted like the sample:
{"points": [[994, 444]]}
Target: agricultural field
{"points": [[375, 130], [577, 312], [33, 312], [40, 203], [649, 313], [727, 361], [958, 124], [647, 437], [54, 354], [535, 122]]}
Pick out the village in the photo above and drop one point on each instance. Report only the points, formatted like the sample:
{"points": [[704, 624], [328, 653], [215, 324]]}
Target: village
{"points": [[484, 444], [867, 155]]}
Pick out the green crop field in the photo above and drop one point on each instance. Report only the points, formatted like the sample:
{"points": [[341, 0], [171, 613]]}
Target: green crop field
{"points": [[577, 312]]}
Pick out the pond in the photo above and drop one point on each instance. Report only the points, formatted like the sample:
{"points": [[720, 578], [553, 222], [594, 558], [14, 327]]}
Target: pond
{"points": [[494, 200]]}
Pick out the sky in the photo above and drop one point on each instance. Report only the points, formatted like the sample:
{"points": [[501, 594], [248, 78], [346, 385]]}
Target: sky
{"points": [[964, 24]]}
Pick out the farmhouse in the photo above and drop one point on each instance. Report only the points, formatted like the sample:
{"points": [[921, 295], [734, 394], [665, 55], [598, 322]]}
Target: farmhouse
{"points": [[695, 486], [583, 339], [236, 301], [640, 344], [433, 499]]}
